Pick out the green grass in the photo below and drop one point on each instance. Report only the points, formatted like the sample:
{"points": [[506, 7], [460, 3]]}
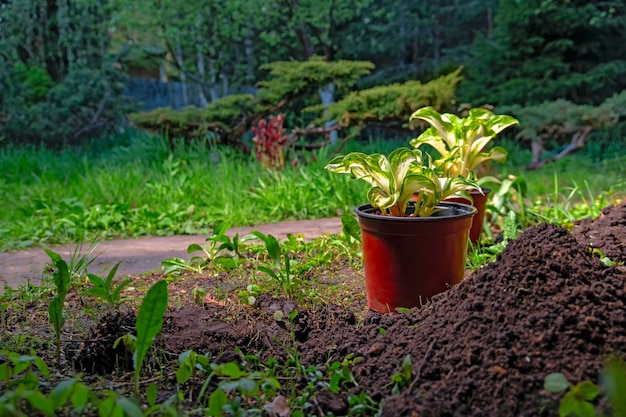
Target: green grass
{"points": [[139, 186], [134, 184], [600, 167]]}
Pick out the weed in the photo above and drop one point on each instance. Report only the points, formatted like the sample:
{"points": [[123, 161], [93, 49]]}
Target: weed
{"points": [[280, 269], [577, 400], [105, 289], [509, 197], [148, 325], [79, 262], [61, 278], [403, 378], [480, 256]]}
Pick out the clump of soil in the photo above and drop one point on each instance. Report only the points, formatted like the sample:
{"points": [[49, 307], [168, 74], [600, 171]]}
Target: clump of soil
{"points": [[96, 353]]}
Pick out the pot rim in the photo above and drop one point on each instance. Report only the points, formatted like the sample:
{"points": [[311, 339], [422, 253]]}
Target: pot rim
{"points": [[459, 211]]}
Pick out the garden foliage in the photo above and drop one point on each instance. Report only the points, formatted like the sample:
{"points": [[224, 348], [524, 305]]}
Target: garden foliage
{"points": [[291, 80], [544, 50], [59, 83], [231, 117], [563, 121]]}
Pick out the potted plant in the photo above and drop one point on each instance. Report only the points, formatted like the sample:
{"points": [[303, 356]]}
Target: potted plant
{"points": [[461, 144], [399, 233]]}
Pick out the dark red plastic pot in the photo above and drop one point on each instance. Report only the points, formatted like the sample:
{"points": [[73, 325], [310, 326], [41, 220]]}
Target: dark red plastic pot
{"points": [[480, 202], [407, 260]]}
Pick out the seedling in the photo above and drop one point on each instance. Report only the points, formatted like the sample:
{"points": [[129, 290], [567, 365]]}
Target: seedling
{"points": [[104, 288], [280, 268], [148, 325], [403, 378], [221, 249], [61, 278], [577, 400], [600, 255], [250, 294], [340, 373]]}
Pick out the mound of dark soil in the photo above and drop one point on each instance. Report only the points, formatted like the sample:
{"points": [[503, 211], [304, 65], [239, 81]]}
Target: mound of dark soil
{"points": [[484, 347]]}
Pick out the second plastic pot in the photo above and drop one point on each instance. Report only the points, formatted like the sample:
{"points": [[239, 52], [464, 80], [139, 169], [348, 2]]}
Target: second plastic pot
{"points": [[480, 202]]}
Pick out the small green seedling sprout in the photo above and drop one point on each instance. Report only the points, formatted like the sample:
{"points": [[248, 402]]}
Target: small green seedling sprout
{"points": [[403, 378], [599, 254], [148, 325], [61, 278], [577, 401], [280, 269], [105, 289]]}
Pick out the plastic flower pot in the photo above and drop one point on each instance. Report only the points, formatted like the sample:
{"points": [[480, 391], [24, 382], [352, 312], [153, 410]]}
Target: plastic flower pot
{"points": [[480, 202], [407, 260]]}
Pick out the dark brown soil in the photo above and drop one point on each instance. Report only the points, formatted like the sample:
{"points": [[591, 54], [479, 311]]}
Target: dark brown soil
{"points": [[607, 233], [483, 348]]}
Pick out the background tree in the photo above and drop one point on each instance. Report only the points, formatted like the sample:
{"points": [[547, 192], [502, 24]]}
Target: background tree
{"points": [[59, 83], [550, 49]]}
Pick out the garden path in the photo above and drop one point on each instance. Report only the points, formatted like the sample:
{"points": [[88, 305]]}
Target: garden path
{"points": [[141, 255]]}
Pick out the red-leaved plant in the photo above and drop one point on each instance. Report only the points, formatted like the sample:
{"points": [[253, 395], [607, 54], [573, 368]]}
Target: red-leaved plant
{"points": [[269, 142]]}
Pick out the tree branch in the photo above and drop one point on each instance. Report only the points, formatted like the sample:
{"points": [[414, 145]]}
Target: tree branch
{"points": [[577, 142]]}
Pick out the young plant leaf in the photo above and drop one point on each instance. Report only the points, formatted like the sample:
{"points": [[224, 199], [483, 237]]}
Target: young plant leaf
{"points": [[148, 324], [351, 227], [55, 311], [130, 407], [271, 245], [556, 382], [217, 401], [61, 275]]}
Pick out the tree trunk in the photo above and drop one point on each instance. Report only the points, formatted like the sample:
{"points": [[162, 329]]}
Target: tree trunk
{"points": [[183, 77], [415, 48], [249, 51], [436, 41], [201, 67], [305, 42], [225, 85], [213, 80], [327, 95], [489, 21]]}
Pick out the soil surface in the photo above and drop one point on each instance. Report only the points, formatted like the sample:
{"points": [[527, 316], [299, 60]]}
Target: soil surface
{"points": [[483, 348], [138, 256]]}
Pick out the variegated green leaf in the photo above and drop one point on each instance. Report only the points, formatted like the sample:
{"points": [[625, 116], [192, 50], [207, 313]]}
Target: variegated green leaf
{"points": [[381, 199], [445, 124], [432, 138], [497, 124], [497, 154]]}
